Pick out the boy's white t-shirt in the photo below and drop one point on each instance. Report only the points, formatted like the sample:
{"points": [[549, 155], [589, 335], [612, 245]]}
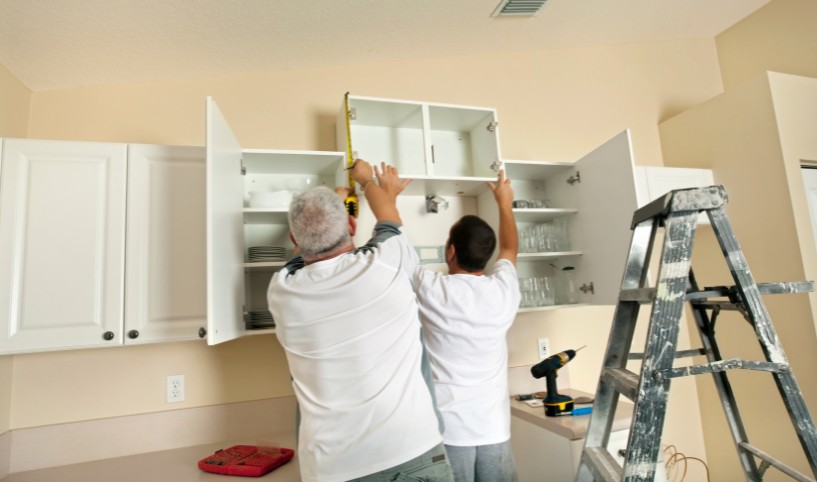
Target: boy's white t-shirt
{"points": [[465, 319], [352, 336]]}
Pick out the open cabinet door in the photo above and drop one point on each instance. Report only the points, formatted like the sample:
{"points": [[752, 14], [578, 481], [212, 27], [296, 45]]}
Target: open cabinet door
{"points": [[606, 201], [225, 230]]}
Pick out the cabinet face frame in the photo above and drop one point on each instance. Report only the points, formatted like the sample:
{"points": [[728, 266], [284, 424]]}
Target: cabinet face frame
{"points": [[165, 301], [47, 187]]}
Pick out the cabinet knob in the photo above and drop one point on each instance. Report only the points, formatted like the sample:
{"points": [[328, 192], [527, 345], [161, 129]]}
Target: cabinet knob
{"points": [[202, 332], [133, 334], [108, 335]]}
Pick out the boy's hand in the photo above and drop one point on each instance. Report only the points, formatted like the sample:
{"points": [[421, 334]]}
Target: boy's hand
{"points": [[362, 172], [503, 193], [390, 181], [344, 192]]}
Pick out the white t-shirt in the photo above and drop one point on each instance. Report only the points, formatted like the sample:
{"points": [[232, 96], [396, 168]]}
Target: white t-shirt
{"points": [[465, 319], [352, 336]]}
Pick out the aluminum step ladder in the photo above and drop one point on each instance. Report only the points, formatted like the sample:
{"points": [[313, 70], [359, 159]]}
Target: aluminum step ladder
{"points": [[678, 212]]}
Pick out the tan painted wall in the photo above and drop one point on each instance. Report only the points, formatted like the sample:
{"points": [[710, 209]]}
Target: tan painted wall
{"points": [[554, 105], [15, 103], [736, 134], [779, 36]]}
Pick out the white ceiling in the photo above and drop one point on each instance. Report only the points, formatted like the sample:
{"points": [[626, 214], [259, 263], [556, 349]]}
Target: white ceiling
{"points": [[58, 44]]}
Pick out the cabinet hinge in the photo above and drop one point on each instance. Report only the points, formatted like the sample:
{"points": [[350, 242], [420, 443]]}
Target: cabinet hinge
{"points": [[243, 169], [574, 179], [588, 289], [497, 165], [353, 114], [492, 126]]}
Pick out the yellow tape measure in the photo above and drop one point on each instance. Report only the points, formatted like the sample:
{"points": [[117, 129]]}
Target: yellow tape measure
{"points": [[351, 201]]}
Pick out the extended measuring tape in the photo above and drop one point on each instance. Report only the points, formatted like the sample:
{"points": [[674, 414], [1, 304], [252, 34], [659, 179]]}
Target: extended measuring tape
{"points": [[351, 201]]}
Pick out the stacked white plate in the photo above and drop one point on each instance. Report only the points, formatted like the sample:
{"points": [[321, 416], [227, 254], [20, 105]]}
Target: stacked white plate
{"points": [[260, 254], [260, 319]]}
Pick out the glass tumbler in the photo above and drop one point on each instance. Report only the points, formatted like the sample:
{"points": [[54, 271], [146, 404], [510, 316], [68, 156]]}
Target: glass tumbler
{"points": [[568, 282]]}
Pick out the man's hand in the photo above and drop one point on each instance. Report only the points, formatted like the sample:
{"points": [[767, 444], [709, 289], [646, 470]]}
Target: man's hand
{"points": [[344, 192], [503, 193], [362, 172], [390, 181]]}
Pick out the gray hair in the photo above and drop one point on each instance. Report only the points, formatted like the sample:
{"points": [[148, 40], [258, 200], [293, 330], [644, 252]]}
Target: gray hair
{"points": [[319, 222]]}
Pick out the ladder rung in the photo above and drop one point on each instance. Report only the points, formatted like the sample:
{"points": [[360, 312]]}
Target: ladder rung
{"points": [[721, 366], [641, 295], [775, 463], [763, 288], [622, 380], [723, 305], [602, 464], [678, 354]]}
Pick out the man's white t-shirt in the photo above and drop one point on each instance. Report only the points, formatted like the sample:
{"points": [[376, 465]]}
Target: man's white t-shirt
{"points": [[352, 336], [465, 319]]}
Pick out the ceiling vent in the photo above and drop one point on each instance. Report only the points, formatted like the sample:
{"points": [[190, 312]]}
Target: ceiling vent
{"points": [[519, 8]]}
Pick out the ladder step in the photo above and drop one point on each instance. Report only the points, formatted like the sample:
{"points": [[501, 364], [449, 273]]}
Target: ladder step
{"points": [[769, 460], [622, 380], [678, 354], [647, 295], [603, 466]]}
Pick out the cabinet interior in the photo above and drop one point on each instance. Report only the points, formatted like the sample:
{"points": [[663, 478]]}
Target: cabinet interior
{"points": [[461, 143]]}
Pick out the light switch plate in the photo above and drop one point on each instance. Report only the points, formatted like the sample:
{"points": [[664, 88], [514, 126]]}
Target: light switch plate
{"points": [[175, 388], [543, 345]]}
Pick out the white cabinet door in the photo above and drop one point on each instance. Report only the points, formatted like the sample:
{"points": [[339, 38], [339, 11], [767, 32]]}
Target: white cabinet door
{"points": [[606, 200], [166, 263], [225, 230], [62, 245]]}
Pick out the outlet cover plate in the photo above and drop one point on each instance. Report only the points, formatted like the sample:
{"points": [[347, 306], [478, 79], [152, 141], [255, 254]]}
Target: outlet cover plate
{"points": [[175, 388], [543, 345]]}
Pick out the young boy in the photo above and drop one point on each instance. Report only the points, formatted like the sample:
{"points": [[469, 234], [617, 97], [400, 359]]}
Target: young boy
{"points": [[465, 316]]}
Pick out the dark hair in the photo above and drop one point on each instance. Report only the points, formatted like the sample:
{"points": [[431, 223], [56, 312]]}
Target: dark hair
{"points": [[474, 243]]}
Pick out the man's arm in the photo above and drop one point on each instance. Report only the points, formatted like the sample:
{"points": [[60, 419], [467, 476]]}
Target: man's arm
{"points": [[508, 239], [381, 198]]}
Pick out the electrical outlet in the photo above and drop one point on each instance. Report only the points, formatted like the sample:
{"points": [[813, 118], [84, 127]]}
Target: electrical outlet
{"points": [[175, 388], [543, 344]]}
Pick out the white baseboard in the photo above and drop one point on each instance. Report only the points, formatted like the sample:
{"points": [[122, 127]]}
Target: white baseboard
{"points": [[5, 454], [71, 443]]}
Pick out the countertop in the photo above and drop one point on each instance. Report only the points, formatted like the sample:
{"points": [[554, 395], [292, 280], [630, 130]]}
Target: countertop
{"points": [[569, 426], [178, 465]]}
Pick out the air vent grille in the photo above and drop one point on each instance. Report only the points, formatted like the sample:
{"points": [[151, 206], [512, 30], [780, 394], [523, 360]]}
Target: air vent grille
{"points": [[519, 8]]}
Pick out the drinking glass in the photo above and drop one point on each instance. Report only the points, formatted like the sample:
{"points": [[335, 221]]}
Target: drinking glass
{"points": [[521, 204], [537, 204], [546, 288], [571, 297], [560, 235]]}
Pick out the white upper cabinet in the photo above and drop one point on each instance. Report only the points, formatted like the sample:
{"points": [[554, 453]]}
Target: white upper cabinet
{"points": [[166, 269], [237, 286], [447, 149], [62, 245], [225, 224]]}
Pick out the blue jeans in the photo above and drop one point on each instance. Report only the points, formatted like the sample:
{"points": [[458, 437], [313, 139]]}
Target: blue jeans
{"points": [[483, 463], [432, 466]]}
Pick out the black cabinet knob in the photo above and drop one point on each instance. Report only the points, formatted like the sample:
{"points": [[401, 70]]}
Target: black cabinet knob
{"points": [[202, 332], [133, 334], [108, 335]]}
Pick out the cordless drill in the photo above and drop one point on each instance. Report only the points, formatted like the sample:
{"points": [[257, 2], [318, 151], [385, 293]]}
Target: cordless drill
{"points": [[555, 404]]}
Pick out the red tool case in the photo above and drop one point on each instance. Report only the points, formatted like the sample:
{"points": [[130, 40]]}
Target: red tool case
{"points": [[244, 460]]}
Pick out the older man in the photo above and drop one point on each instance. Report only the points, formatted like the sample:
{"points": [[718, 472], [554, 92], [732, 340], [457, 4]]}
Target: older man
{"points": [[348, 320]]}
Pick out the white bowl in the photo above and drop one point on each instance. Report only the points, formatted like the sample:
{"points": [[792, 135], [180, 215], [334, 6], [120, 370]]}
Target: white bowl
{"points": [[277, 199]]}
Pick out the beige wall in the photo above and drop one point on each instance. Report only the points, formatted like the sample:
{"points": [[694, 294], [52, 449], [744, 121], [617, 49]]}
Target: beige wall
{"points": [[6, 372], [553, 105], [15, 103], [736, 134], [780, 36]]}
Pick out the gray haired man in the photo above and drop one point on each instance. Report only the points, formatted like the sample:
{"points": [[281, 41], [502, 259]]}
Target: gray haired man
{"points": [[348, 320]]}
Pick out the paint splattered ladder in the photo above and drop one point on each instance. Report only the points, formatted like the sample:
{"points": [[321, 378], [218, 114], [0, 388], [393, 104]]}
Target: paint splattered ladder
{"points": [[677, 212]]}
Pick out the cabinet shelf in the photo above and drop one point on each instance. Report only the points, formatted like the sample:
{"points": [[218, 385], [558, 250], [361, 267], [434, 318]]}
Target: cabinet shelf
{"points": [[546, 256], [549, 308], [263, 331], [262, 267], [266, 215], [446, 186], [540, 215], [533, 170]]}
